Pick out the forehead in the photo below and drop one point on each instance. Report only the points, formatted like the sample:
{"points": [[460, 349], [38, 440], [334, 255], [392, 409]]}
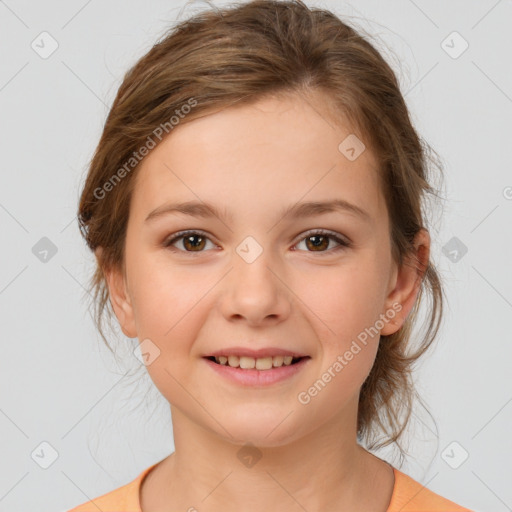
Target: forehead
{"points": [[276, 150]]}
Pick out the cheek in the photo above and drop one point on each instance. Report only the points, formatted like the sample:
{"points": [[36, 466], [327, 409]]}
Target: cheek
{"points": [[170, 314], [345, 300], [165, 296], [344, 309]]}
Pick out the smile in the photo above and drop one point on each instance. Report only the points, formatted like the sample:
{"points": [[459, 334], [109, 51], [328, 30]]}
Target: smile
{"points": [[247, 371], [260, 363]]}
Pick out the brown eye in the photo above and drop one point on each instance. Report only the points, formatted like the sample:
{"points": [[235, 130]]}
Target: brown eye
{"points": [[319, 241], [194, 242], [187, 241]]}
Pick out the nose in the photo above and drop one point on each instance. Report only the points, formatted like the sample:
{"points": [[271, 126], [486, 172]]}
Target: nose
{"points": [[255, 292]]}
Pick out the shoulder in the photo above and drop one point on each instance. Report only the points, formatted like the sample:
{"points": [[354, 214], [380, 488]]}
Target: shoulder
{"points": [[125, 498], [412, 496]]}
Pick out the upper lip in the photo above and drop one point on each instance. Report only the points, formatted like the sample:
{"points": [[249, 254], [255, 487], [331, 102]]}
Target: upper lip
{"points": [[260, 353]]}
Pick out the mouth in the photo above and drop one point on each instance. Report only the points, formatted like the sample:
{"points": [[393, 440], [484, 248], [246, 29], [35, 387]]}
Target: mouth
{"points": [[261, 363], [258, 372]]}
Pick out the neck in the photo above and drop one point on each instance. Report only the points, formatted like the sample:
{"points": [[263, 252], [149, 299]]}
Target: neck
{"points": [[318, 471]]}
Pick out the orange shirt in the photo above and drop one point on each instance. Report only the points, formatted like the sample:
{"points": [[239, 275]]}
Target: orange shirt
{"points": [[408, 496]]}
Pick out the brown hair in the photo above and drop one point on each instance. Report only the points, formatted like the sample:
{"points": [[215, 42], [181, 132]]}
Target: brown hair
{"points": [[237, 55]]}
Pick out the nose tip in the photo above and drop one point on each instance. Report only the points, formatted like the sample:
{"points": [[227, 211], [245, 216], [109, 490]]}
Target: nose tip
{"points": [[255, 293]]}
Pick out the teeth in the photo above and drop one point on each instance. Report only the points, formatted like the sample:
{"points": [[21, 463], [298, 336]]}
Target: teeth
{"points": [[261, 363], [247, 362], [233, 361], [264, 363], [277, 361]]}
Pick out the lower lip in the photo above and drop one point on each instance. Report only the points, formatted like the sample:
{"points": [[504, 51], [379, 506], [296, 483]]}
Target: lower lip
{"points": [[255, 377]]}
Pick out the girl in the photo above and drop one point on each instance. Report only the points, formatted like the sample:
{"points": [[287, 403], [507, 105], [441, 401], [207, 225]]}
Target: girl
{"points": [[255, 208]]}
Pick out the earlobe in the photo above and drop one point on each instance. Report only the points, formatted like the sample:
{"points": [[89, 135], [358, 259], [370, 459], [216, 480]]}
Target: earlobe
{"points": [[407, 284], [119, 298]]}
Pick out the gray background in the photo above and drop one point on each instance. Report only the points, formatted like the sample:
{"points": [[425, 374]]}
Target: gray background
{"points": [[103, 420]]}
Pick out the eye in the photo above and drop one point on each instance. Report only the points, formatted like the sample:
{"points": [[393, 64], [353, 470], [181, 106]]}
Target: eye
{"points": [[193, 241], [319, 241]]}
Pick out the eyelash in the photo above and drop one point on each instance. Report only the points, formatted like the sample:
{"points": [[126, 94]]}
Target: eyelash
{"points": [[343, 243]]}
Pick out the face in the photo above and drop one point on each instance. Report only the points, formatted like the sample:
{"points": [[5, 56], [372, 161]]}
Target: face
{"points": [[312, 281]]}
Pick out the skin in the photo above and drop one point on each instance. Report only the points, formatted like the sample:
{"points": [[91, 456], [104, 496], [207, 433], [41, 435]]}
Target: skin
{"points": [[254, 161]]}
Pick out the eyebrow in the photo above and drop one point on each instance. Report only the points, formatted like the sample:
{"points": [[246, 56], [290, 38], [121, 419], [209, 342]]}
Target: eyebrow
{"points": [[299, 210]]}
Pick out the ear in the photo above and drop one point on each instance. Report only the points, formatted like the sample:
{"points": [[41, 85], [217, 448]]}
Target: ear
{"points": [[406, 283], [119, 297]]}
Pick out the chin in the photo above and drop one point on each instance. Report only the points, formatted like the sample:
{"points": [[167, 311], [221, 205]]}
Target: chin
{"points": [[263, 434]]}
